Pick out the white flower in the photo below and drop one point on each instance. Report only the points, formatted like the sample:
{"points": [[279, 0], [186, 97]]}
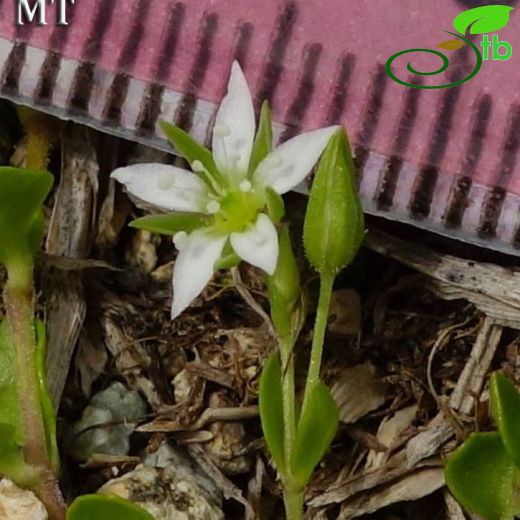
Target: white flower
{"points": [[235, 200]]}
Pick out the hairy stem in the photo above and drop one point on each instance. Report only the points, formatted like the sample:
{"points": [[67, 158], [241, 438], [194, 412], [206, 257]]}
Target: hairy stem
{"points": [[320, 326], [19, 306]]}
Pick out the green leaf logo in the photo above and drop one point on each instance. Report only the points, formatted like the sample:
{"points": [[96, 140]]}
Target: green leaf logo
{"points": [[481, 20]]}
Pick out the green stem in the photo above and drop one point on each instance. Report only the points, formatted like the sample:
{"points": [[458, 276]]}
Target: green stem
{"points": [[288, 398], [19, 304], [320, 326], [293, 501]]}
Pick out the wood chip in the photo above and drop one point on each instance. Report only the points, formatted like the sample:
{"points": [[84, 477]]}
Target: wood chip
{"points": [[69, 235]]}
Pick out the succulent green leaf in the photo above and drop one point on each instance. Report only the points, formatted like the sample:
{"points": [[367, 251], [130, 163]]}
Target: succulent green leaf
{"points": [[105, 507], [12, 462], [505, 405], [10, 413], [275, 205], [172, 223], [334, 225], [481, 476], [190, 149], [317, 427], [9, 408], [284, 287], [263, 144], [22, 193], [271, 409], [48, 413], [484, 19]]}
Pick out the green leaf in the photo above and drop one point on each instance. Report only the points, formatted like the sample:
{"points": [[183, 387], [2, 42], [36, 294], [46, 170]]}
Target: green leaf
{"points": [[12, 463], [484, 19], [22, 194], [334, 225], [505, 405], [317, 427], [275, 205], [271, 409], [105, 507], [48, 413], [9, 409], [263, 144], [172, 223], [10, 413], [481, 476], [284, 288], [190, 149]]}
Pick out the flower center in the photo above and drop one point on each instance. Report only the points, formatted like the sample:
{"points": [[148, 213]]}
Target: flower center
{"points": [[238, 209]]}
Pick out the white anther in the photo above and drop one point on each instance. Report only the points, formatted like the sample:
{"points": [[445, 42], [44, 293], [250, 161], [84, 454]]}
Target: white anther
{"points": [[166, 181], [197, 166], [221, 130], [245, 185], [213, 207], [179, 239]]}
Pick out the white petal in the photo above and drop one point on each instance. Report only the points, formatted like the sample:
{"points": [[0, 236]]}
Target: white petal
{"points": [[259, 245], [290, 163], [165, 187], [194, 267], [234, 129]]}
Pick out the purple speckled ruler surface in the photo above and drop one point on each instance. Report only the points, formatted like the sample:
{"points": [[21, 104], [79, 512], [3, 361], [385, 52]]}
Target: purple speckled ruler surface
{"points": [[445, 160]]}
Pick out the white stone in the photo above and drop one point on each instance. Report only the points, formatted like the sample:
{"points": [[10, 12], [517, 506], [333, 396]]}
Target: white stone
{"points": [[19, 504]]}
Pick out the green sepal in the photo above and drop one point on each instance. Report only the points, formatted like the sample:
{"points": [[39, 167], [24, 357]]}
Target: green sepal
{"points": [[275, 205], [484, 19], [191, 150], [334, 224], [48, 413], [106, 507], [316, 429], [22, 194], [226, 262], [505, 406], [271, 409], [172, 223], [263, 144], [481, 476]]}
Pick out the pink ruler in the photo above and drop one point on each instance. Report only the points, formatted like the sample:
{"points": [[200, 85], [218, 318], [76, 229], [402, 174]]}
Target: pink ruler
{"points": [[445, 160]]}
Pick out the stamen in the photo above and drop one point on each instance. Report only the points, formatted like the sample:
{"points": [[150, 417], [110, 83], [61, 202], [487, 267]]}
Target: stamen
{"points": [[213, 207], [245, 186], [166, 181], [179, 239], [221, 130]]}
